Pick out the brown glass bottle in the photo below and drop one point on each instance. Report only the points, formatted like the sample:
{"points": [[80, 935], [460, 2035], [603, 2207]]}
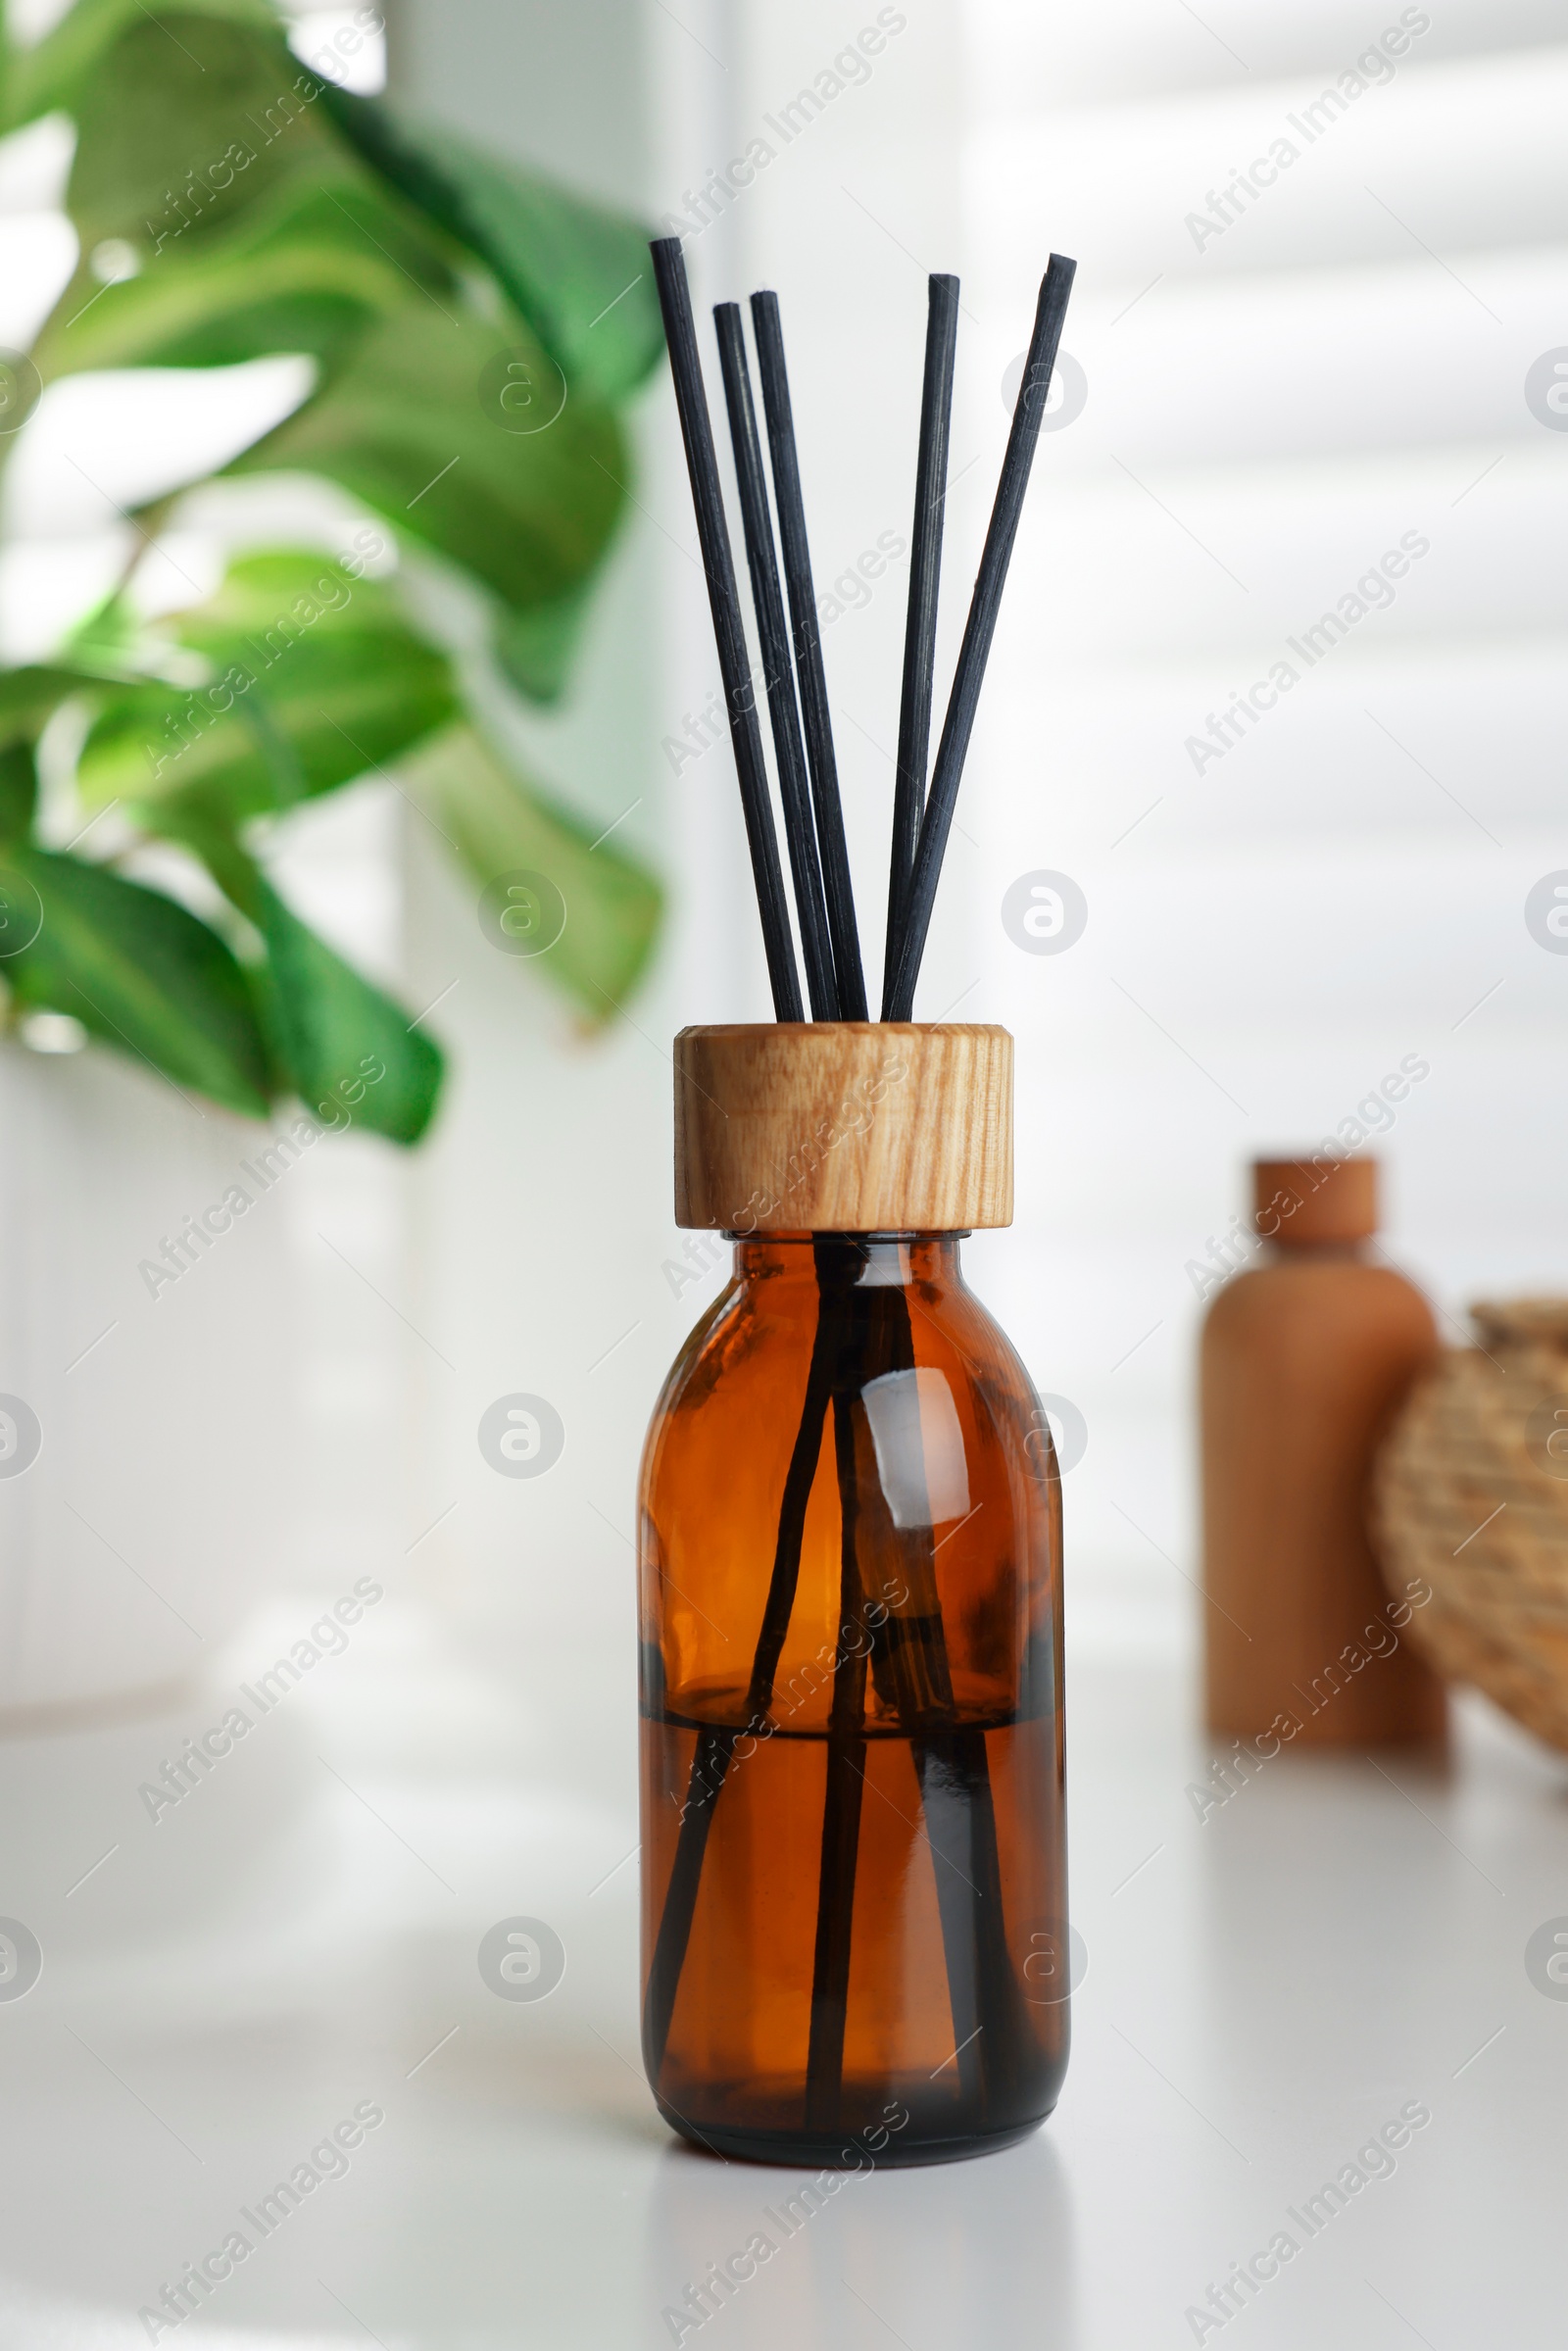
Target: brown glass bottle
{"points": [[1306, 1358], [854, 1861]]}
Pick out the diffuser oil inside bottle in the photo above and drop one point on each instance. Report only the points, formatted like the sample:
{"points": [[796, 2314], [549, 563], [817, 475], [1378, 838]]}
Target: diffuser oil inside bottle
{"points": [[738, 2057], [853, 1861]]}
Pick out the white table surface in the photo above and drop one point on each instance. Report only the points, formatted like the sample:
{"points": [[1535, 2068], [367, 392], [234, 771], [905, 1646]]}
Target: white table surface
{"points": [[1265, 1989]]}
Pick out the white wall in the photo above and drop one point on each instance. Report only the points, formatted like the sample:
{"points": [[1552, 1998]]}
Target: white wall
{"points": [[1265, 939], [1269, 409], [541, 1211]]}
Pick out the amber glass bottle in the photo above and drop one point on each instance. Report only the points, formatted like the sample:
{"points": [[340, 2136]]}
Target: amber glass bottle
{"points": [[853, 1870], [1305, 1358]]}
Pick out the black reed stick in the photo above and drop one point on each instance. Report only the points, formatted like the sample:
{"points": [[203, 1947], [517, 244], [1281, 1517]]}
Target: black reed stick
{"points": [[716, 1745], [674, 300], [959, 1813], [841, 922], [767, 603], [844, 1781], [985, 603], [921, 623], [908, 1653], [957, 1802]]}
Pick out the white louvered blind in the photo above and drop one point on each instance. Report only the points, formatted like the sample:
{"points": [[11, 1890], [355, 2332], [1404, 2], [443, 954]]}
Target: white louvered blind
{"points": [[1276, 399], [1322, 368]]}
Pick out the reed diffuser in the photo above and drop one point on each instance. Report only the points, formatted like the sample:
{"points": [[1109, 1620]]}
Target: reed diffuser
{"points": [[854, 1857]]}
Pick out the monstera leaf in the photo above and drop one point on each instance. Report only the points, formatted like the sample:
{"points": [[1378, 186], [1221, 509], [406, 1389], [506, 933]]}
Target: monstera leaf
{"points": [[606, 907], [349, 1051], [137, 971], [579, 275], [296, 648], [307, 271], [190, 119], [341, 686], [348, 1047], [472, 331], [63, 68], [404, 428]]}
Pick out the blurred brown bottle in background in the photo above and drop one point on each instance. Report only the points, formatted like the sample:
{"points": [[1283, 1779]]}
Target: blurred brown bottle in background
{"points": [[1305, 1356]]}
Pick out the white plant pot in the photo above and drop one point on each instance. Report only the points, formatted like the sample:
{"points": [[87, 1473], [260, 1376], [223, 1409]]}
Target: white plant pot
{"points": [[137, 1537]]}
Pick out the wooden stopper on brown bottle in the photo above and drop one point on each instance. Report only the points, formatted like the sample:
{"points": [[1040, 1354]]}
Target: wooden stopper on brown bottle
{"points": [[1299, 1202], [844, 1126]]}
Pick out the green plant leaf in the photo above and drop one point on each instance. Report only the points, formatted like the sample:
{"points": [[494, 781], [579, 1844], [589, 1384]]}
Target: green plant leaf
{"points": [[536, 648], [28, 695], [185, 120], [256, 228], [54, 72], [305, 270], [107, 637], [19, 790], [351, 1053], [500, 823], [271, 212], [581, 274], [141, 974], [332, 665], [403, 428]]}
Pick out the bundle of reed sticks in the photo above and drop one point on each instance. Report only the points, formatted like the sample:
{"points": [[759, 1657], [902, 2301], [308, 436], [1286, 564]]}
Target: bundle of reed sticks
{"points": [[792, 650], [860, 1333]]}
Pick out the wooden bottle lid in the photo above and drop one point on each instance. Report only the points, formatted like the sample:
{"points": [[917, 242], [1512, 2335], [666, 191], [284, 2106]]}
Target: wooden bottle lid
{"points": [[1336, 1200], [852, 1126]]}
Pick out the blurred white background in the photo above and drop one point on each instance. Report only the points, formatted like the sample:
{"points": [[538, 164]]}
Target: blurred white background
{"points": [[1272, 404], [1272, 399]]}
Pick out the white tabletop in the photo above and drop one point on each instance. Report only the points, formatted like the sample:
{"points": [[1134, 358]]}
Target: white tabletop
{"points": [[1340, 1945]]}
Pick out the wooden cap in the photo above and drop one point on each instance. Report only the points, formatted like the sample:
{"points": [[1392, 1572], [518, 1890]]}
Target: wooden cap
{"points": [[1336, 1200], [844, 1126]]}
